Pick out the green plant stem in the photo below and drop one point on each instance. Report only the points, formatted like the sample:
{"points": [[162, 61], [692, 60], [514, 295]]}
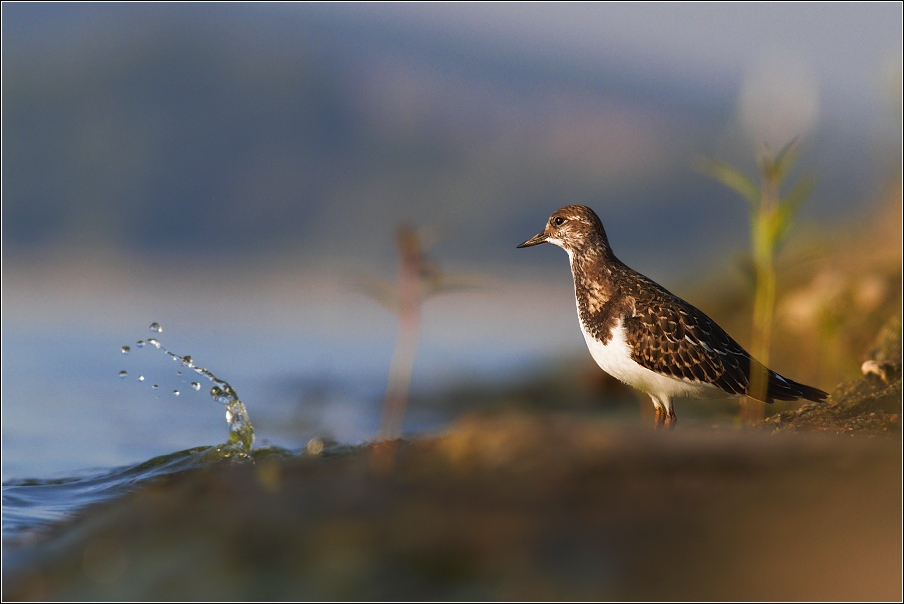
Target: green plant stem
{"points": [[765, 242], [763, 311], [770, 219]]}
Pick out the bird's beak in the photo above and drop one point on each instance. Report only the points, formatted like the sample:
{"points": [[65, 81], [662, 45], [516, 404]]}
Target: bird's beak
{"points": [[535, 240]]}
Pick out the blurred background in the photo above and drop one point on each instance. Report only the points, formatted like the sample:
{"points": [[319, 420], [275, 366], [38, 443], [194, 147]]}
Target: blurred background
{"points": [[232, 171]]}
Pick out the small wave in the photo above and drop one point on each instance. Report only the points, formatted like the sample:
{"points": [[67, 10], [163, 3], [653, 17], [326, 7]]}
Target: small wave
{"points": [[30, 505]]}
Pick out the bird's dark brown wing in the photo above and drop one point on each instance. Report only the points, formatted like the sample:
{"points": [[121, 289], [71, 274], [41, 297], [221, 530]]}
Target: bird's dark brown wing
{"points": [[670, 336], [674, 338]]}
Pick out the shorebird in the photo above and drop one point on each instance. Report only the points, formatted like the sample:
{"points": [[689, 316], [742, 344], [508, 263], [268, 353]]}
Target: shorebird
{"points": [[647, 337]]}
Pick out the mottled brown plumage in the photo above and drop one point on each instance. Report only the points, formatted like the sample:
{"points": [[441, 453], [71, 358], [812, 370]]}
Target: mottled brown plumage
{"points": [[658, 330]]}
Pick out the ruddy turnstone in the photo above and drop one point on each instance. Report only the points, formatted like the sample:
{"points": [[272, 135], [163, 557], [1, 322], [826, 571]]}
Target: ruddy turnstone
{"points": [[647, 337]]}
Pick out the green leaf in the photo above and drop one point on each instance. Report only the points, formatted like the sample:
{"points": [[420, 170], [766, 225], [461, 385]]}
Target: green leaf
{"points": [[730, 177], [792, 202], [765, 161], [799, 193], [786, 158], [774, 168]]}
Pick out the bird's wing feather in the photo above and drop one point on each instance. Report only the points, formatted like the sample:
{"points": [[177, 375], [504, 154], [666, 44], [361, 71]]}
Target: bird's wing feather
{"points": [[669, 336]]}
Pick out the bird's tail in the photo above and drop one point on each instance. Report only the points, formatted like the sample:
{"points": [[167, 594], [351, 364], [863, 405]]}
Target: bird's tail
{"points": [[781, 388]]}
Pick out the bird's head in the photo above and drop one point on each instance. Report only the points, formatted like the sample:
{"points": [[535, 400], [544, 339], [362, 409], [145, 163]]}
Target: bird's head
{"points": [[574, 229]]}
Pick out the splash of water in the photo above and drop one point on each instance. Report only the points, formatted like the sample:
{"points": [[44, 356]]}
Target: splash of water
{"points": [[241, 432]]}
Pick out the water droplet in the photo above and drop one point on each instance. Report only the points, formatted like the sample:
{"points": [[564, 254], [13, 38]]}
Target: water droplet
{"points": [[175, 393], [153, 342], [126, 349], [155, 327], [178, 373], [196, 385], [140, 343], [140, 378], [187, 360], [154, 387], [123, 373]]}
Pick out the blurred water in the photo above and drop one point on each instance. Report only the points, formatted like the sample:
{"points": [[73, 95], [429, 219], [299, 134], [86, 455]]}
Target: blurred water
{"points": [[321, 373], [65, 408], [69, 413]]}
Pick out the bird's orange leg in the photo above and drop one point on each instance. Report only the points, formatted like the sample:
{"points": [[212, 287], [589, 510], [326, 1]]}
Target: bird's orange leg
{"points": [[660, 417], [670, 419]]}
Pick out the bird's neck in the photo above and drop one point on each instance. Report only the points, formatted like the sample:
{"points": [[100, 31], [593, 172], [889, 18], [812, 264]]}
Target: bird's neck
{"points": [[595, 287]]}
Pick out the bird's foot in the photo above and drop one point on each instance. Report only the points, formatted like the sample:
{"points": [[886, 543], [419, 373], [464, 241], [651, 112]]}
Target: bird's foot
{"points": [[660, 417], [670, 419]]}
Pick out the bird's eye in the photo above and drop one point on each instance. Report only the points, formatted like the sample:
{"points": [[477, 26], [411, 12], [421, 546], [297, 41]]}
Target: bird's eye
{"points": [[558, 220]]}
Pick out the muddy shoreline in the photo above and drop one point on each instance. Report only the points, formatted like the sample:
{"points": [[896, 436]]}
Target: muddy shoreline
{"points": [[524, 507]]}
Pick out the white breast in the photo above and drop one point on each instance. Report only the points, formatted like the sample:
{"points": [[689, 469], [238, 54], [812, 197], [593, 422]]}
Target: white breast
{"points": [[614, 358]]}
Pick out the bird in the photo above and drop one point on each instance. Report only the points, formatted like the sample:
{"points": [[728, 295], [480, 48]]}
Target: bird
{"points": [[645, 336]]}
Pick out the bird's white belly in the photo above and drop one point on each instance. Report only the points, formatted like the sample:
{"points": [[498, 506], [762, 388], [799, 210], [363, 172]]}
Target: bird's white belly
{"points": [[614, 358]]}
